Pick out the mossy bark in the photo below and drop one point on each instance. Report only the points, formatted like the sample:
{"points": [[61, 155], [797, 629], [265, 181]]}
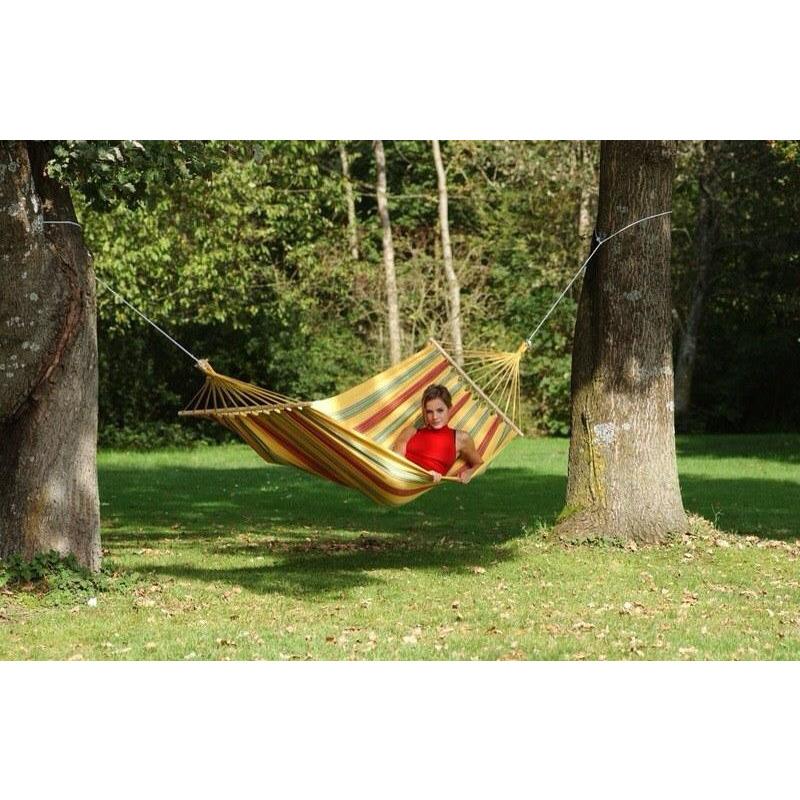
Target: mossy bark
{"points": [[622, 475], [48, 367]]}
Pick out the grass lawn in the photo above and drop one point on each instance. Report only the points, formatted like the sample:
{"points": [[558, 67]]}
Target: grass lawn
{"points": [[240, 560]]}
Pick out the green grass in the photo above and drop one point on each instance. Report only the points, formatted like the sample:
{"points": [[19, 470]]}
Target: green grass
{"points": [[242, 561]]}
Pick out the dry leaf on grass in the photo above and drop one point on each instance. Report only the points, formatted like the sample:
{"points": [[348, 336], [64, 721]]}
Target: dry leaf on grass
{"points": [[554, 629]]}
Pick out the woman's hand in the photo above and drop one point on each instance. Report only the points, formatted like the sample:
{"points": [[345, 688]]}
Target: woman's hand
{"points": [[437, 476], [465, 475]]}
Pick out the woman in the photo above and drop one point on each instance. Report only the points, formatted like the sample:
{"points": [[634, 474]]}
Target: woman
{"points": [[436, 447]]}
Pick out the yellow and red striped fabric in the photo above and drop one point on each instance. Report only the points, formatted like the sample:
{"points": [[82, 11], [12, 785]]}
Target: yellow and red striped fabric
{"points": [[348, 438]]}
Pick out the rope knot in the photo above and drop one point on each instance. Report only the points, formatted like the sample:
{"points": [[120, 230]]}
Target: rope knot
{"points": [[204, 367]]}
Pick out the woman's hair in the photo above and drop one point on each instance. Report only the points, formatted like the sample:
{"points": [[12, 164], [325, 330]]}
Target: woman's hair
{"points": [[437, 392]]}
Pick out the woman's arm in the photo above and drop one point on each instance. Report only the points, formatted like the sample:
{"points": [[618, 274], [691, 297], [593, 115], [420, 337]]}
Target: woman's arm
{"points": [[403, 439], [467, 451]]}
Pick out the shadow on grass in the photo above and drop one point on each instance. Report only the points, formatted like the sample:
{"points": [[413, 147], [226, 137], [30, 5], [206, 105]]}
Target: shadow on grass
{"points": [[314, 537], [748, 506], [200, 501], [316, 572], [203, 503], [781, 448]]}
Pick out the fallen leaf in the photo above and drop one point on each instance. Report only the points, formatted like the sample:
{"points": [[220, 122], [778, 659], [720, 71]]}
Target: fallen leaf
{"points": [[689, 598], [554, 629]]}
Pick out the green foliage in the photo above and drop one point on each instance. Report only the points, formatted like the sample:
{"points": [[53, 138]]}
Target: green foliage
{"points": [[748, 350], [240, 251], [155, 435], [60, 580], [250, 268], [107, 172]]}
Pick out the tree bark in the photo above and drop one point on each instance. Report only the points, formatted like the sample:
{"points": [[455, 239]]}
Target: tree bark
{"points": [[453, 288], [388, 256], [706, 235], [622, 476], [352, 225], [48, 367]]}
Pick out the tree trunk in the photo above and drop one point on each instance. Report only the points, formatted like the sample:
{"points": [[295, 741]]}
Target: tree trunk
{"points": [[588, 189], [352, 226], [622, 477], [453, 289], [705, 240], [388, 256], [48, 367]]}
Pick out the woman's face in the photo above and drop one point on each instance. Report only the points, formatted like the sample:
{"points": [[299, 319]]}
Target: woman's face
{"points": [[436, 413]]}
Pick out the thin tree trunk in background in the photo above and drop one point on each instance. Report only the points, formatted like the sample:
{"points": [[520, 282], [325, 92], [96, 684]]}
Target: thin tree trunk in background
{"points": [[588, 190], [352, 226], [388, 256], [705, 240], [48, 364], [622, 474], [453, 288]]}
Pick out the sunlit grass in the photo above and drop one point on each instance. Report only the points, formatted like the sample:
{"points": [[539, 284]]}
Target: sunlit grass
{"points": [[241, 560]]}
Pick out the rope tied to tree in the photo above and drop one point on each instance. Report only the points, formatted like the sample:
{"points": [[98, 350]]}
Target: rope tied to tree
{"points": [[601, 240], [121, 298]]}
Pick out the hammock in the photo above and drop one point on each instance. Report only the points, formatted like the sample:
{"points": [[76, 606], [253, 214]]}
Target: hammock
{"points": [[347, 438]]}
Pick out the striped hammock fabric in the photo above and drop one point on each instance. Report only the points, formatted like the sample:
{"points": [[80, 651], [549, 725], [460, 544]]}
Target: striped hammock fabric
{"points": [[347, 438]]}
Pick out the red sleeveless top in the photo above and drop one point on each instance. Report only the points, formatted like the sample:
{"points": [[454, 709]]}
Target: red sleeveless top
{"points": [[433, 449]]}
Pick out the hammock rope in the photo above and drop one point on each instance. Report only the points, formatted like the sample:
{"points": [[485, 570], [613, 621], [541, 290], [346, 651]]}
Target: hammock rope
{"points": [[600, 242]]}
